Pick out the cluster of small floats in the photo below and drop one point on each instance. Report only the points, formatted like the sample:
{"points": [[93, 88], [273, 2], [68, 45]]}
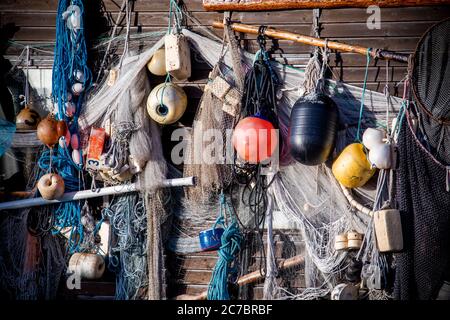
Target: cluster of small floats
{"points": [[312, 134]]}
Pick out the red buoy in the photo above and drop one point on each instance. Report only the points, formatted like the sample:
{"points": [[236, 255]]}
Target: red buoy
{"points": [[255, 139]]}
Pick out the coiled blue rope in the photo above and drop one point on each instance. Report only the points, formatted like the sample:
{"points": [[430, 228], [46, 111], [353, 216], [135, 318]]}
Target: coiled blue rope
{"points": [[231, 244], [70, 57]]}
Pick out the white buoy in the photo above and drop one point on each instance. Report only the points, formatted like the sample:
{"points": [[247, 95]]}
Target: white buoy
{"points": [[372, 137], [76, 156], [380, 156], [78, 75], [88, 266], [77, 88]]}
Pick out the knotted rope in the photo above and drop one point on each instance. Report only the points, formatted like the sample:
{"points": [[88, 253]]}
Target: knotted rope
{"points": [[231, 245]]}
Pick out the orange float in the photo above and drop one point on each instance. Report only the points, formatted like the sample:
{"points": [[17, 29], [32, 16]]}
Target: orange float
{"points": [[255, 139]]}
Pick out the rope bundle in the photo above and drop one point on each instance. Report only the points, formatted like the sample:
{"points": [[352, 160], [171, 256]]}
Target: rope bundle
{"points": [[231, 245]]}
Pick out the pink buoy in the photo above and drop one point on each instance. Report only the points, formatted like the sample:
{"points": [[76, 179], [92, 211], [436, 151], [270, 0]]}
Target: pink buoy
{"points": [[70, 109], [74, 143]]}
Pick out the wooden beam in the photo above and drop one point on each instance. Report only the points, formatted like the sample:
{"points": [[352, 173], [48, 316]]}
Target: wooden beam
{"points": [[267, 5], [249, 278], [334, 45]]}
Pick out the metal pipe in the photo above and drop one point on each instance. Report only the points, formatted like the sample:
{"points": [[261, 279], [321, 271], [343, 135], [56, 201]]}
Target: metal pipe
{"points": [[334, 45], [86, 194]]}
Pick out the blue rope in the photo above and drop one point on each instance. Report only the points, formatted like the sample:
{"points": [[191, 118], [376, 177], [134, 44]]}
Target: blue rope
{"points": [[361, 109], [70, 56], [231, 244]]}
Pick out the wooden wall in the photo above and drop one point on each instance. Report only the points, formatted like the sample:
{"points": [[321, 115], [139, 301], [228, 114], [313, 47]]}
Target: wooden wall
{"points": [[400, 30]]}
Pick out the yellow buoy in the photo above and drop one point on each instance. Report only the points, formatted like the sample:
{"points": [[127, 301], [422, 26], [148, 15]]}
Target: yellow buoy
{"points": [[351, 168], [157, 64]]}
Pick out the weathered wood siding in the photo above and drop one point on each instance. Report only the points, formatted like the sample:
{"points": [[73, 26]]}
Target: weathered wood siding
{"points": [[400, 31]]}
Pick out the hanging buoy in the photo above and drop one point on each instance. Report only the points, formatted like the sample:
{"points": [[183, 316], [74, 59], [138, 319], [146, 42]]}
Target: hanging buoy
{"points": [[354, 240], [76, 157], [51, 186], [312, 129], [344, 291], [70, 109], [178, 56], [380, 156], [74, 142], [157, 64], [77, 88], [63, 142], [255, 139], [69, 96], [27, 119], [88, 266], [47, 131], [78, 75], [166, 103], [388, 230], [341, 242], [373, 137], [61, 128], [211, 239], [351, 168]]}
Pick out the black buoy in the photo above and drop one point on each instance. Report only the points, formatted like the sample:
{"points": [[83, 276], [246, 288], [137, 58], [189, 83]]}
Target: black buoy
{"points": [[312, 129]]}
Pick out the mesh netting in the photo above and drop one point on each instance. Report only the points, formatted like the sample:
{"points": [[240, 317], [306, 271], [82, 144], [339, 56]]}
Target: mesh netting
{"points": [[423, 203], [431, 86]]}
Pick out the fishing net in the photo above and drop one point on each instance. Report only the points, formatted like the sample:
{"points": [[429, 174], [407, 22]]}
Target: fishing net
{"points": [[431, 87], [423, 203], [31, 265], [423, 176], [216, 114], [7, 130]]}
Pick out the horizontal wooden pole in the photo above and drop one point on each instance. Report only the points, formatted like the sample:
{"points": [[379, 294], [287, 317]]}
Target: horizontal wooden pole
{"points": [[267, 5], [86, 194], [334, 45], [249, 278]]}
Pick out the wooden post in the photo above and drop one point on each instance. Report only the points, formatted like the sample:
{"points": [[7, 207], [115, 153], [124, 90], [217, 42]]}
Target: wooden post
{"points": [[267, 5], [287, 35]]}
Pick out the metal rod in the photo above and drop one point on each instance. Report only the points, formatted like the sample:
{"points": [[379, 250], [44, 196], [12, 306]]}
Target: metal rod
{"points": [[339, 46], [86, 194]]}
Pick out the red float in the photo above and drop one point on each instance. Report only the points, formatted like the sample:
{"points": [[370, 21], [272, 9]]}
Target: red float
{"points": [[255, 139]]}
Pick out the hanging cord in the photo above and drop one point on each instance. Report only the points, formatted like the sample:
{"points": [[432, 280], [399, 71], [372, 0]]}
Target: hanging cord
{"points": [[361, 109], [226, 266], [27, 75], [128, 12], [388, 99], [312, 70], [116, 24]]}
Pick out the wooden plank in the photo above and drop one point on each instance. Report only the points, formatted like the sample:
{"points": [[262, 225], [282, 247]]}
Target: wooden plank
{"points": [[333, 31], [262, 5], [204, 277], [110, 5], [160, 18]]}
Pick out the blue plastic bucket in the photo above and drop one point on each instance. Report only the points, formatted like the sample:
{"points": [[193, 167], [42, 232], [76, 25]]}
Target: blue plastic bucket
{"points": [[210, 239]]}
